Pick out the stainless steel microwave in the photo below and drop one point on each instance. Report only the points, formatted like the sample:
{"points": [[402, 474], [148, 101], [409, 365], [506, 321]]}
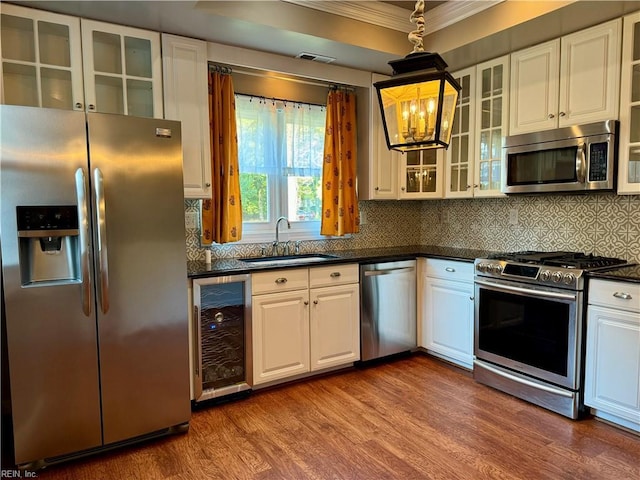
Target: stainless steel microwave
{"points": [[573, 159]]}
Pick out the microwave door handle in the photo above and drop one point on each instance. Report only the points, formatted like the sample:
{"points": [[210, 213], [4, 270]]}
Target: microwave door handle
{"points": [[581, 163]]}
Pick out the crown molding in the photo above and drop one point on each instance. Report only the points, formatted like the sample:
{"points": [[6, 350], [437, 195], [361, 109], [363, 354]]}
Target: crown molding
{"points": [[396, 18]]}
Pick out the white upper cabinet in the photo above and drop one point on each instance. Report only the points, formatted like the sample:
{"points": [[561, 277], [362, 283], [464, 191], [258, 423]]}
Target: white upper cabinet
{"points": [[629, 162], [58, 61], [534, 88], [492, 110], [383, 167], [122, 69], [41, 59], [459, 158], [567, 81], [184, 63]]}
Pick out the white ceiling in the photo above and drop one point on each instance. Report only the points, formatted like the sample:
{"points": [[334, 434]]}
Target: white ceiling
{"points": [[361, 34]]}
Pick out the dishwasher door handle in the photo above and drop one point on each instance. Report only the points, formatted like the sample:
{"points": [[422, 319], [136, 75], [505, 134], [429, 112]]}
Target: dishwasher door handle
{"points": [[390, 271]]}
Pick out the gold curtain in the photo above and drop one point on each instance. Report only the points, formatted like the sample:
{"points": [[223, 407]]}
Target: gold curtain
{"points": [[340, 215], [222, 215]]}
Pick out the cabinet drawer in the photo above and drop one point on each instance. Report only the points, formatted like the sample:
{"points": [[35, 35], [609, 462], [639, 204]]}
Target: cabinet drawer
{"points": [[279, 280], [333, 275], [621, 295], [449, 269]]}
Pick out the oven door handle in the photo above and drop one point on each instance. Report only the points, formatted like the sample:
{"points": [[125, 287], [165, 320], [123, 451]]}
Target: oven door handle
{"points": [[528, 291], [555, 391]]}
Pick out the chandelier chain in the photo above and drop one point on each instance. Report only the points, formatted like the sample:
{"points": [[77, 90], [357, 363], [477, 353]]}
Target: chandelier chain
{"points": [[415, 36]]}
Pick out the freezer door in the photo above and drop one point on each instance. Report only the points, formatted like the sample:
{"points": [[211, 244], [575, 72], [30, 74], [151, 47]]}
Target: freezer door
{"points": [[141, 278], [50, 320]]}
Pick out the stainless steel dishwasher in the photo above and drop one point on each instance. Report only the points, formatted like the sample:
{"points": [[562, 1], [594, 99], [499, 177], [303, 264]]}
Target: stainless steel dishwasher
{"points": [[387, 308]]}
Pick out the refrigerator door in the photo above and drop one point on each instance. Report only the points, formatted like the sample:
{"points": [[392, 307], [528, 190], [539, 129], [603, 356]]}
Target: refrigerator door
{"points": [[141, 277], [50, 322]]}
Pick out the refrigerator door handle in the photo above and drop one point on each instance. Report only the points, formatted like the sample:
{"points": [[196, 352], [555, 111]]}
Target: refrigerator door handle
{"points": [[83, 224], [103, 265]]}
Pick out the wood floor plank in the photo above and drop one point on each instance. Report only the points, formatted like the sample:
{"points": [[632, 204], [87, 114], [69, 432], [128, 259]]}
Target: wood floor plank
{"points": [[412, 418]]}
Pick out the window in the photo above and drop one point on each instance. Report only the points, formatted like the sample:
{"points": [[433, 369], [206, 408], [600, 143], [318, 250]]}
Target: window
{"points": [[280, 150]]}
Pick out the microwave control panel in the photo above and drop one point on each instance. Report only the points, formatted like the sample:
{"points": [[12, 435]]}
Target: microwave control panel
{"points": [[598, 161]]}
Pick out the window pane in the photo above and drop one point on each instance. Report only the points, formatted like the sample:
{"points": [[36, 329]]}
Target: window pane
{"points": [[304, 199], [280, 154], [255, 197]]}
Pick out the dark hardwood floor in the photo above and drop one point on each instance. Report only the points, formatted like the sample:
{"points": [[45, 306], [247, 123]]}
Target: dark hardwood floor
{"points": [[414, 418]]}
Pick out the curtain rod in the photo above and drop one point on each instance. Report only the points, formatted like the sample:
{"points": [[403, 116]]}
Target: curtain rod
{"points": [[346, 88], [283, 100], [220, 69]]}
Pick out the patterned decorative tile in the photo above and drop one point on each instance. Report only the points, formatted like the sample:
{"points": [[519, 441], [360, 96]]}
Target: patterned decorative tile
{"points": [[605, 224]]}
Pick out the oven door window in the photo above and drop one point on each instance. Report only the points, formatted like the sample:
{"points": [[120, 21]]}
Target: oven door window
{"points": [[556, 165], [525, 329]]}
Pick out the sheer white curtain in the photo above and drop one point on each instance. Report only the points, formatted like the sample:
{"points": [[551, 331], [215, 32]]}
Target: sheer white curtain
{"points": [[281, 138]]}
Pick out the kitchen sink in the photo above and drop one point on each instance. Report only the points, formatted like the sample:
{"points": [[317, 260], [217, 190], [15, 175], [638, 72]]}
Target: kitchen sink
{"points": [[289, 259]]}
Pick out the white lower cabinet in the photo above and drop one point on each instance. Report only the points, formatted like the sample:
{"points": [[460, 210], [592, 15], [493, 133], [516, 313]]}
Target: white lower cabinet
{"points": [[447, 310], [612, 374], [304, 320], [280, 335]]}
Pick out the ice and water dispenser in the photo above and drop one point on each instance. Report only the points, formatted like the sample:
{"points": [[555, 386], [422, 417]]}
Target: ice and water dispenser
{"points": [[48, 242]]}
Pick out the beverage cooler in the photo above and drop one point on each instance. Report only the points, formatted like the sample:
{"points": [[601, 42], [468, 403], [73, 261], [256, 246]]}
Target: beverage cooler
{"points": [[221, 336]]}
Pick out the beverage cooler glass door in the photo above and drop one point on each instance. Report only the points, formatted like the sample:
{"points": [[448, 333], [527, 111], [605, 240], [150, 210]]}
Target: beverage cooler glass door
{"points": [[221, 330]]}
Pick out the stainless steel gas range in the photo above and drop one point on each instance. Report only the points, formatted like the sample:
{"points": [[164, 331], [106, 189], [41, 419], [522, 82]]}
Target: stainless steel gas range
{"points": [[529, 325]]}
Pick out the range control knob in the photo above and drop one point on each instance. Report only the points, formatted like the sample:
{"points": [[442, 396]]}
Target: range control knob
{"points": [[569, 278], [481, 267], [496, 269], [556, 277], [545, 275]]}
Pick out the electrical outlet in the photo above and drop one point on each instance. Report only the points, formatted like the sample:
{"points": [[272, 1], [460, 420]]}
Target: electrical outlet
{"points": [[444, 216], [363, 217], [513, 216], [191, 220]]}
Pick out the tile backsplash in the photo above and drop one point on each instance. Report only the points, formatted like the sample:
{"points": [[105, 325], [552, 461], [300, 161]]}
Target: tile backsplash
{"points": [[603, 224]]}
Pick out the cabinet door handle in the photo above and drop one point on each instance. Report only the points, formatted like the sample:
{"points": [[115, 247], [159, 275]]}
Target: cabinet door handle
{"points": [[306, 302], [623, 295], [551, 115], [315, 302], [377, 188], [472, 298], [92, 107], [562, 114], [335, 275], [450, 269], [78, 106], [207, 184], [281, 281]]}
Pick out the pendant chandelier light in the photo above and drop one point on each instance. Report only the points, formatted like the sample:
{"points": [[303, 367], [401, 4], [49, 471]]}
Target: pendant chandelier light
{"points": [[418, 102]]}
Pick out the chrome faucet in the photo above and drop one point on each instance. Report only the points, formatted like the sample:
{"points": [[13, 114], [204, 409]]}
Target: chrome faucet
{"points": [[277, 241]]}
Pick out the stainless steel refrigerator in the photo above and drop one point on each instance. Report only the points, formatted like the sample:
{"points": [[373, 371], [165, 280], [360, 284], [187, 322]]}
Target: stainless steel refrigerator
{"points": [[94, 280]]}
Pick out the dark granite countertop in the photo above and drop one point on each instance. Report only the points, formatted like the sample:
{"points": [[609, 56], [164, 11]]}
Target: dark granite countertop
{"points": [[625, 274], [235, 266]]}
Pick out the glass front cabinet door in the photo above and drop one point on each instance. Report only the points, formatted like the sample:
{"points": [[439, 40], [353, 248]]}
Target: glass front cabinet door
{"points": [[491, 125], [122, 69], [421, 174], [460, 152], [629, 164], [41, 59]]}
